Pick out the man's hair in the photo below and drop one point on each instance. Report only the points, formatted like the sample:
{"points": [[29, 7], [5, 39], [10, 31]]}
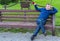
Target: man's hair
{"points": [[47, 4]]}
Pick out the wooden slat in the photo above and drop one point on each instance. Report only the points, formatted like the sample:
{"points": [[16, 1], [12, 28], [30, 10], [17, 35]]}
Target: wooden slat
{"points": [[18, 11], [21, 24], [26, 20], [19, 16], [21, 19]]}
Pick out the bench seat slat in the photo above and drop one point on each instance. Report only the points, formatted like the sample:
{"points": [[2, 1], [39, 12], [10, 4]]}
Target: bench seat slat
{"points": [[22, 24]]}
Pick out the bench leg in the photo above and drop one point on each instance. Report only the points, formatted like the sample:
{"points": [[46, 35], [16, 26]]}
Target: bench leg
{"points": [[53, 28], [53, 32]]}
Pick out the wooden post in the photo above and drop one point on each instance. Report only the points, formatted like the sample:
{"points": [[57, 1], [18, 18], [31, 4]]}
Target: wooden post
{"points": [[5, 6], [24, 16], [0, 17]]}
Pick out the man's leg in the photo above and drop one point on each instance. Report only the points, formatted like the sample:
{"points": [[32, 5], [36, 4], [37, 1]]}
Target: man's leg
{"points": [[36, 31], [42, 27]]}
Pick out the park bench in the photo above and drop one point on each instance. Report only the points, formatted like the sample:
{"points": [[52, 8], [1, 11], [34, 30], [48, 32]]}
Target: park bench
{"points": [[24, 20]]}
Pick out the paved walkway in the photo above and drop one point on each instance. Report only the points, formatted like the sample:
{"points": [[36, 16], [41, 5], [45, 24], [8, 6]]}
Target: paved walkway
{"points": [[8, 36]]}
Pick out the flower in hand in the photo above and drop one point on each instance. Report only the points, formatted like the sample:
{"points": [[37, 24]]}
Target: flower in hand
{"points": [[33, 3]]}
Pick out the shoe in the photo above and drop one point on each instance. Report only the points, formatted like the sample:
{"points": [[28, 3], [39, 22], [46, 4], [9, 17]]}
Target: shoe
{"points": [[32, 38], [45, 34]]}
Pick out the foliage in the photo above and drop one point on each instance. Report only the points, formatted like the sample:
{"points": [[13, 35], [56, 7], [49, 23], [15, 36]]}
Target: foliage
{"points": [[7, 2]]}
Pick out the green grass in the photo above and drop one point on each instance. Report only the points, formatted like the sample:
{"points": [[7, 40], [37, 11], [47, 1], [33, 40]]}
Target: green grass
{"points": [[17, 30], [57, 31]]}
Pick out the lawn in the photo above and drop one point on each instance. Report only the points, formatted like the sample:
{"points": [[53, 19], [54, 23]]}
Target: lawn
{"points": [[17, 30]]}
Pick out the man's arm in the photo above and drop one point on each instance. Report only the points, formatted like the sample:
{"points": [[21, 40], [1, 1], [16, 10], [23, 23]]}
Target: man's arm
{"points": [[54, 10], [35, 5], [38, 9]]}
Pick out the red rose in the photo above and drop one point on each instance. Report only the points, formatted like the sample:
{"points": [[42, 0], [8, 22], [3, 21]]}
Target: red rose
{"points": [[33, 2]]}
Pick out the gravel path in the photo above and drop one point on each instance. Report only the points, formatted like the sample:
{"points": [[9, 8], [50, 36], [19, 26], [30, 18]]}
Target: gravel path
{"points": [[8, 36]]}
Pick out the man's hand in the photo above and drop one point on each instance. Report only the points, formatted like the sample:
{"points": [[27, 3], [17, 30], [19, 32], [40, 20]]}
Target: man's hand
{"points": [[52, 7], [33, 3], [37, 4]]}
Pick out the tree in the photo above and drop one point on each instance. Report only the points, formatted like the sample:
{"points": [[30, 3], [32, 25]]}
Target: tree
{"points": [[3, 2], [7, 2], [14, 1]]}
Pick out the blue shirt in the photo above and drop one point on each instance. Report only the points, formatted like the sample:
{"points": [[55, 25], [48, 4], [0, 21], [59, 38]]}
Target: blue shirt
{"points": [[44, 14]]}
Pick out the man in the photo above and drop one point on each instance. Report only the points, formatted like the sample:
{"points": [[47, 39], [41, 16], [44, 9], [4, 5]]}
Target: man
{"points": [[41, 20]]}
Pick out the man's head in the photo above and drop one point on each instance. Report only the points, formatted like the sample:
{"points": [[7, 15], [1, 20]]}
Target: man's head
{"points": [[48, 7]]}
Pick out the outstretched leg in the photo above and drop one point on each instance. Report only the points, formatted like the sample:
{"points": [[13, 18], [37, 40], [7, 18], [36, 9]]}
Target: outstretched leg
{"points": [[43, 22], [36, 32], [43, 28]]}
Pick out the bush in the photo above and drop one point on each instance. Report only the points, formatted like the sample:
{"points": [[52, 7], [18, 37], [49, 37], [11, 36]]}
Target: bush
{"points": [[3, 2], [14, 1]]}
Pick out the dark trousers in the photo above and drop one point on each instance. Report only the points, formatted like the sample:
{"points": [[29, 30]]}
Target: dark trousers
{"points": [[40, 25]]}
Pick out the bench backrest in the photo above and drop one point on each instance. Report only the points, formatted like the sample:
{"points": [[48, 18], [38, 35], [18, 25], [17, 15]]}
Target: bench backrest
{"points": [[22, 16]]}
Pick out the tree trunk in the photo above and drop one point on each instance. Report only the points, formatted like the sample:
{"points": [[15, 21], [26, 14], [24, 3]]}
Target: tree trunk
{"points": [[5, 6]]}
